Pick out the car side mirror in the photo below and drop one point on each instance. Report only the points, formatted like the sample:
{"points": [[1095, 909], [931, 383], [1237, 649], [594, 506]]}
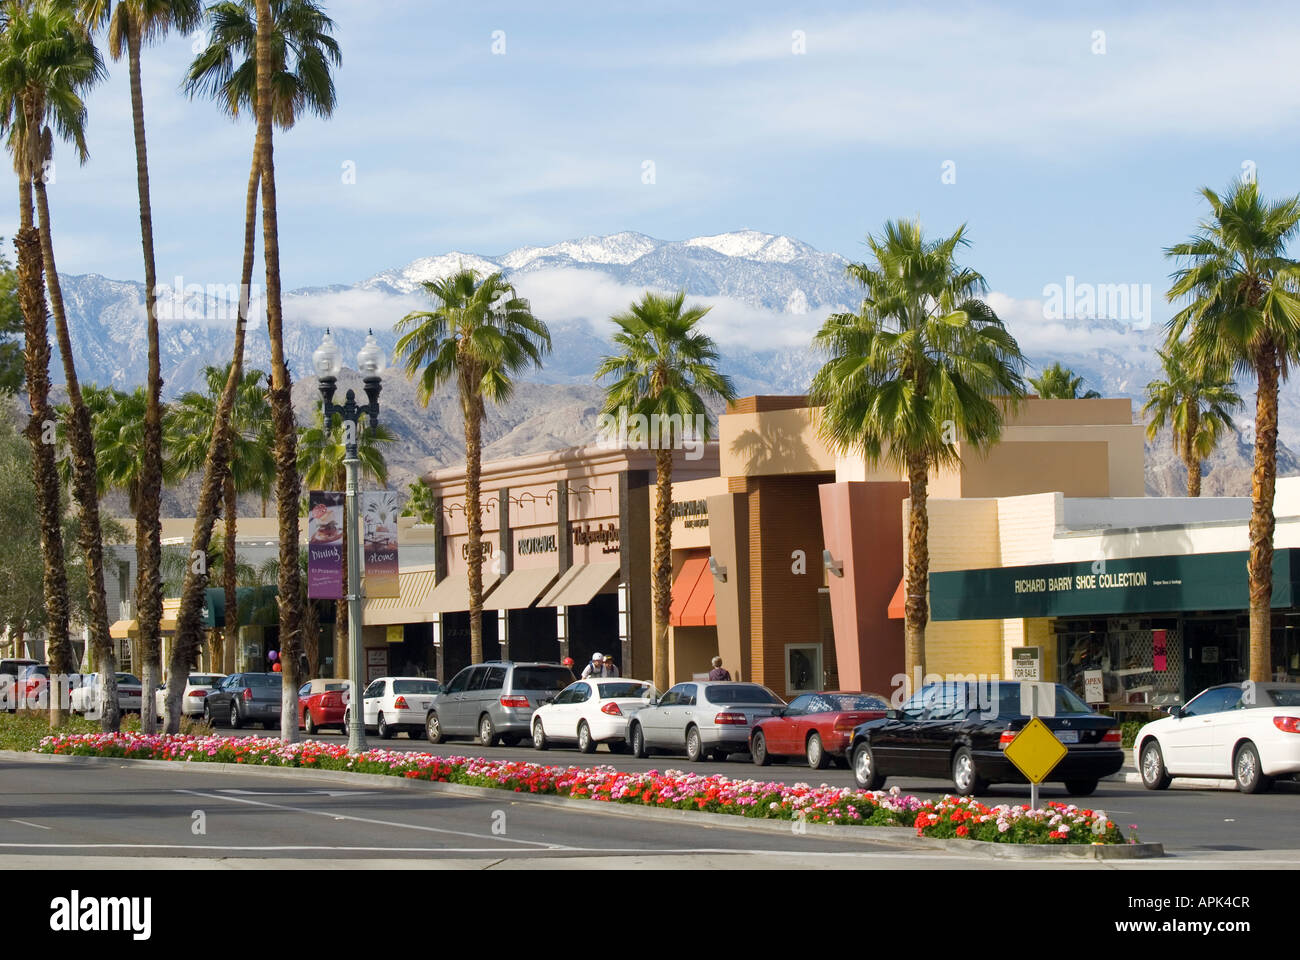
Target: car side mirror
{"points": [[1176, 712], [893, 715], [546, 700]]}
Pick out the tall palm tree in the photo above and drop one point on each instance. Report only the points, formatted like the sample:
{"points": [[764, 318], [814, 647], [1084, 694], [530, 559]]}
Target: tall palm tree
{"points": [[1195, 403], [132, 24], [1060, 383], [1243, 312], [275, 60], [482, 335], [252, 467], [665, 368], [49, 63], [923, 364], [320, 464]]}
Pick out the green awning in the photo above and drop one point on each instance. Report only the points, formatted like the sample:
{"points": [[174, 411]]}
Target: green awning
{"points": [[1164, 584]]}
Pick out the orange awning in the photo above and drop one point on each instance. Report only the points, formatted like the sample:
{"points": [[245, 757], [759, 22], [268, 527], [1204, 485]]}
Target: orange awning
{"points": [[898, 601], [693, 595]]}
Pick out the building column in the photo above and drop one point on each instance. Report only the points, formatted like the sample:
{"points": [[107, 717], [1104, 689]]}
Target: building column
{"points": [[440, 663], [503, 633], [562, 630]]}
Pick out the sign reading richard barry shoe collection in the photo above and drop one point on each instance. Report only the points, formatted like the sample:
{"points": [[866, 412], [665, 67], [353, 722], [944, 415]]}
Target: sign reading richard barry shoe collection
{"points": [[1208, 581]]}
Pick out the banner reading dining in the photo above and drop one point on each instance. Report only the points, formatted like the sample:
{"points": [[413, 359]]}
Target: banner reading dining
{"points": [[325, 545], [379, 512]]}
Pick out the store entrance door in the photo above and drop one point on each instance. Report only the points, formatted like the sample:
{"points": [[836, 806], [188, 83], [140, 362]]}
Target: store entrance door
{"points": [[1212, 649]]}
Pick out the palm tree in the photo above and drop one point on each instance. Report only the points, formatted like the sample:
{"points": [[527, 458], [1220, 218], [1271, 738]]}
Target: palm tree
{"points": [[131, 24], [1243, 313], [1196, 404], [320, 464], [924, 363], [482, 335], [48, 63], [663, 367], [118, 423], [252, 468], [1060, 383], [275, 59]]}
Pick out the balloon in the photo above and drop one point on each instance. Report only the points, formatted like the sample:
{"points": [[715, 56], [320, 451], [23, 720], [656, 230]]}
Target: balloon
{"points": [[276, 667], [273, 656]]}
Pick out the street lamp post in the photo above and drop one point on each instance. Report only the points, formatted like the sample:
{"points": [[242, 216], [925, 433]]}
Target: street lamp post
{"points": [[328, 362]]}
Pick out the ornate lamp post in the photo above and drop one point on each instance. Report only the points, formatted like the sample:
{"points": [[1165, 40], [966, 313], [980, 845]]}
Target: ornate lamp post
{"points": [[328, 362]]}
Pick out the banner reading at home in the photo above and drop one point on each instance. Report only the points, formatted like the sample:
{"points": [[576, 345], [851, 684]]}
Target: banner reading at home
{"points": [[325, 545], [379, 512]]}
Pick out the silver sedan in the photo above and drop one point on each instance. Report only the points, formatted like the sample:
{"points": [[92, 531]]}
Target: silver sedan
{"points": [[702, 718]]}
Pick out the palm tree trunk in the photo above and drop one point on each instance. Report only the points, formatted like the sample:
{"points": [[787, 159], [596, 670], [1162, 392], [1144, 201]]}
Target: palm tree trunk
{"points": [[662, 583], [189, 632], [229, 561], [36, 360], [474, 520], [286, 431], [148, 532], [916, 608], [1263, 481], [1190, 458], [85, 485]]}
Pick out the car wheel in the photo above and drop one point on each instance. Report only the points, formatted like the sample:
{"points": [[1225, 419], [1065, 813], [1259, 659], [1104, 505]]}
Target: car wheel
{"points": [[585, 743], [1248, 771], [1080, 788], [487, 734], [694, 745], [636, 741], [432, 728], [385, 731], [865, 774], [758, 749], [817, 758], [235, 720], [308, 724], [207, 715], [539, 736], [964, 776], [1154, 774]]}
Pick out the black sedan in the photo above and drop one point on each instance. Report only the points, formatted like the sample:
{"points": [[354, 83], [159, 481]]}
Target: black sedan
{"points": [[961, 730]]}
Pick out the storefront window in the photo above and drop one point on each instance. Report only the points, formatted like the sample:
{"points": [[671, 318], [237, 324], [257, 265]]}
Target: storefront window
{"points": [[803, 667], [1126, 665]]}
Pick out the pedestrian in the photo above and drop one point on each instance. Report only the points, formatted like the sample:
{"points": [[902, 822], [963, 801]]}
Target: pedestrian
{"points": [[596, 668], [718, 673], [568, 662]]}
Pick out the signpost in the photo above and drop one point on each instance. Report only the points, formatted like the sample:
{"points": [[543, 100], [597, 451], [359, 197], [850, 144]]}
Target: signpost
{"points": [[1026, 663], [1035, 751]]}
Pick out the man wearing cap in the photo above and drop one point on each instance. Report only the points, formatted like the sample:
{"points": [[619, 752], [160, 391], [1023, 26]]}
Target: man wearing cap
{"points": [[599, 667]]}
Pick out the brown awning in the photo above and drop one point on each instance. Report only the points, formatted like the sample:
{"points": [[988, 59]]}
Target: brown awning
{"points": [[521, 587], [411, 603], [124, 630], [579, 584]]}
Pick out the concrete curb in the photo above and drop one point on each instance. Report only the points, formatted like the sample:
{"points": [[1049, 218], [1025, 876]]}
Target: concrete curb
{"points": [[878, 836]]}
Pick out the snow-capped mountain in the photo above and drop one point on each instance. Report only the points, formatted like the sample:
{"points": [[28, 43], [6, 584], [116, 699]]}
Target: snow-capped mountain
{"points": [[768, 294]]}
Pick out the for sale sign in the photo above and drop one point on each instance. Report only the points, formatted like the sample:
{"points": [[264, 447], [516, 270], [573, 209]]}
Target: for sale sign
{"points": [[1026, 663]]}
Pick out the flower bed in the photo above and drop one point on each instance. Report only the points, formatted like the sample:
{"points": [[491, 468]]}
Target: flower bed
{"points": [[951, 817]]}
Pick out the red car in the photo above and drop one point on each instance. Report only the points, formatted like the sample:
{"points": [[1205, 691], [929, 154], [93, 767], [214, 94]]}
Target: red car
{"points": [[321, 704], [817, 726]]}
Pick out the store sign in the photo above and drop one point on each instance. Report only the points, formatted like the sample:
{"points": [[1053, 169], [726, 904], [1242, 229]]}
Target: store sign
{"points": [[1135, 585], [528, 546], [1094, 686], [1026, 663], [694, 513], [605, 534], [1160, 650]]}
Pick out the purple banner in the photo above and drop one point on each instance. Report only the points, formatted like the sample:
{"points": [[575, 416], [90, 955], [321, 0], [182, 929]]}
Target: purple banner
{"points": [[379, 513], [325, 545]]}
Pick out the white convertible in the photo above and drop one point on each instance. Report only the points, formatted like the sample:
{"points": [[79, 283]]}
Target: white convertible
{"points": [[1247, 731]]}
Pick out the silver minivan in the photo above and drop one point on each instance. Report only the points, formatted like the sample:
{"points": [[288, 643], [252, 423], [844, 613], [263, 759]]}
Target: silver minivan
{"points": [[494, 701]]}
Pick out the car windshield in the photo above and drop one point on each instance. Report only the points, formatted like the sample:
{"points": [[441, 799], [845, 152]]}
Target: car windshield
{"points": [[261, 679], [1009, 701], [740, 693], [866, 701], [417, 686], [541, 678], [203, 679], [1284, 698], [128, 678], [610, 691]]}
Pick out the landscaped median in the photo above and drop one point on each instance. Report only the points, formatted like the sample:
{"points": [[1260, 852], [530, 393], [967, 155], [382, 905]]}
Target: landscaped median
{"points": [[954, 818]]}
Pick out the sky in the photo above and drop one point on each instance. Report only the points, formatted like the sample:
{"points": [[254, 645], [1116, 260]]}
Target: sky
{"points": [[1072, 142]]}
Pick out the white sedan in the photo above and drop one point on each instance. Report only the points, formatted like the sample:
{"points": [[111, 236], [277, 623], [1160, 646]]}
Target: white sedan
{"points": [[197, 687], [85, 698], [396, 703], [1247, 731], [591, 711]]}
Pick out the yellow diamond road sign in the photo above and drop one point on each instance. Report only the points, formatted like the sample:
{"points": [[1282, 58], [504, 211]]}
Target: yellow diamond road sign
{"points": [[1035, 751]]}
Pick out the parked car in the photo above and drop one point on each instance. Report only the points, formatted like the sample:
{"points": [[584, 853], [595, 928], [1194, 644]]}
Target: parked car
{"points": [[84, 699], [391, 704], [702, 719], [245, 698], [1247, 731], [323, 703], [9, 671], [494, 701], [592, 711], [960, 730], [197, 688], [816, 726]]}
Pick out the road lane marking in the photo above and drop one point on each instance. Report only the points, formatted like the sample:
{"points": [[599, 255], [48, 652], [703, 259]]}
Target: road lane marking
{"points": [[335, 815], [28, 823], [298, 793]]}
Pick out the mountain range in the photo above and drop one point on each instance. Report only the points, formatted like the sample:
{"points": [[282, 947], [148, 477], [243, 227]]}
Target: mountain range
{"points": [[768, 295]]}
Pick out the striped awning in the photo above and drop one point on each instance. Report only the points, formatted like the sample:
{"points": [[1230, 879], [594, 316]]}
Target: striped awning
{"points": [[411, 603]]}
